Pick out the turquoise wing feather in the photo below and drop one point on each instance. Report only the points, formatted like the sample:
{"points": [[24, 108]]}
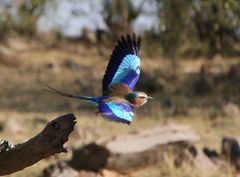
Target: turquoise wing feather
{"points": [[118, 112], [124, 63]]}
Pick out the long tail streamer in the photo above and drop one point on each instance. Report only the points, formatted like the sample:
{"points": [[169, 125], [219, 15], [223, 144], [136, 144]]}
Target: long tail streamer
{"points": [[54, 91], [49, 89]]}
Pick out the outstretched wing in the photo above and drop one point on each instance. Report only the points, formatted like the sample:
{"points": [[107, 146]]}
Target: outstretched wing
{"points": [[124, 63], [117, 112]]}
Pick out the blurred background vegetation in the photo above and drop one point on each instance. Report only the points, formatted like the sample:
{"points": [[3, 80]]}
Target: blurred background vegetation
{"points": [[191, 27], [171, 30], [190, 65]]}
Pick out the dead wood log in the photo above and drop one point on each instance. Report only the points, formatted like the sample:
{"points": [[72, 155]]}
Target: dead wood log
{"points": [[48, 142], [202, 161], [126, 153], [231, 151]]}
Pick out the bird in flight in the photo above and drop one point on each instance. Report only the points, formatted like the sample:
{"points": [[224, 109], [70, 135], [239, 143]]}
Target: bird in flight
{"points": [[118, 99]]}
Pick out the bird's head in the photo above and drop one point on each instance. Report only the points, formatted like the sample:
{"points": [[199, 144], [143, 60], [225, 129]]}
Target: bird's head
{"points": [[137, 99]]}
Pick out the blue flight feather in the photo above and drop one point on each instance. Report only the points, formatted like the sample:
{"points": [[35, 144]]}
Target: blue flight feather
{"points": [[130, 78], [124, 60], [117, 112], [129, 63]]}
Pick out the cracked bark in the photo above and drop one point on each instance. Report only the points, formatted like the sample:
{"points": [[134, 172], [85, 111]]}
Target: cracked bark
{"points": [[48, 142]]}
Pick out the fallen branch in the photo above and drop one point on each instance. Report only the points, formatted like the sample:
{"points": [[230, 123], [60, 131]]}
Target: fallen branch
{"points": [[48, 142], [125, 153]]}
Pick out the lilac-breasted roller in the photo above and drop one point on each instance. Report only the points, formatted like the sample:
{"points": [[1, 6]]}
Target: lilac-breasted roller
{"points": [[118, 99]]}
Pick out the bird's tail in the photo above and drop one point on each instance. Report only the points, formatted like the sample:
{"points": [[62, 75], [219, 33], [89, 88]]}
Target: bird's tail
{"points": [[57, 92]]}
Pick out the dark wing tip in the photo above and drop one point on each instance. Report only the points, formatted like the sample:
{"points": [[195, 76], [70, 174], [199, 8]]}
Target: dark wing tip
{"points": [[126, 44], [132, 42]]}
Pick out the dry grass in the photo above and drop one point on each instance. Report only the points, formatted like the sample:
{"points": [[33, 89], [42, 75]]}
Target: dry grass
{"points": [[23, 100]]}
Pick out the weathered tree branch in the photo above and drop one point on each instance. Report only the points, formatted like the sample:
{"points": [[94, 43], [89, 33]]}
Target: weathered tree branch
{"points": [[48, 142], [127, 152]]}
